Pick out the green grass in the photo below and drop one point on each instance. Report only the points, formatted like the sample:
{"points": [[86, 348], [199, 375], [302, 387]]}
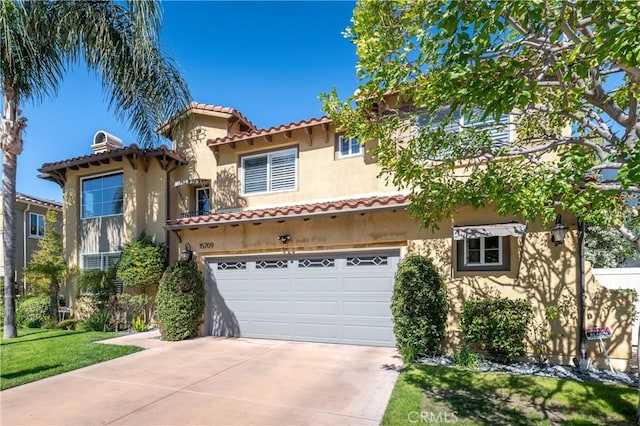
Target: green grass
{"points": [[38, 353], [437, 395]]}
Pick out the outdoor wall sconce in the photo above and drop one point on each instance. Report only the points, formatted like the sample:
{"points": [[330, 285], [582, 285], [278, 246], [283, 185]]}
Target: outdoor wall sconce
{"points": [[558, 231], [285, 238], [186, 254]]}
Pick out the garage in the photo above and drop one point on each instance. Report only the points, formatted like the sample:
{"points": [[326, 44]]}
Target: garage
{"points": [[316, 297]]}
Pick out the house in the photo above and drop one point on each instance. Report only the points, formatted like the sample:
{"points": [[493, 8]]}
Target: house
{"points": [[30, 213], [299, 238]]}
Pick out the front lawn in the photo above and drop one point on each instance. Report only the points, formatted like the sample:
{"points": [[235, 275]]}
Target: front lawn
{"points": [[39, 353], [437, 395]]}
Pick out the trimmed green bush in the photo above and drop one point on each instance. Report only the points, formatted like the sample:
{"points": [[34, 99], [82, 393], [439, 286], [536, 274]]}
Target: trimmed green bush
{"points": [[142, 263], [497, 325], [180, 301], [419, 308], [32, 311]]}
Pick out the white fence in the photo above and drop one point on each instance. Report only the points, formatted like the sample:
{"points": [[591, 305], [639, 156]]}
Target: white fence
{"points": [[618, 278]]}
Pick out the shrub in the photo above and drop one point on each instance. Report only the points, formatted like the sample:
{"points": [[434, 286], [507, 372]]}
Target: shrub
{"points": [[497, 325], [138, 324], [68, 324], [419, 308], [180, 301], [465, 357], [142, 263], [98, 321], [33, 311], [134, 305]]}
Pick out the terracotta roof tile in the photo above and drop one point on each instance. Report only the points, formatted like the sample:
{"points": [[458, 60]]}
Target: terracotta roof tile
{"points": [[328, 208], [165, 128], [270, 131], [131, 149]]}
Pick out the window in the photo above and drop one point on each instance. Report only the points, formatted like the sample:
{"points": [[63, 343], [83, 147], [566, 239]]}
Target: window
{"points": [[483, 251], [348, 147], [102, 195], [271, 172], [102, 261], [203, 203], [499, 131], [483, 254], [36, 225]]}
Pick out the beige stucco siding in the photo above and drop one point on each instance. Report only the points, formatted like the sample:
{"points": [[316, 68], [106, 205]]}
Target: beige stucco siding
{"points": [[320, 175], [545, 274]]}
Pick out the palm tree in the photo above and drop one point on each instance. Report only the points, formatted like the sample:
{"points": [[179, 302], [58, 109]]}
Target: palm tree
{"points": [[117, 41]]}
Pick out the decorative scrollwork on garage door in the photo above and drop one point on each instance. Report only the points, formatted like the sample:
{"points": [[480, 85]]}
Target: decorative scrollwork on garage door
{"points": [[367, 261], [316, 263], [226, 266], [272, 264]]}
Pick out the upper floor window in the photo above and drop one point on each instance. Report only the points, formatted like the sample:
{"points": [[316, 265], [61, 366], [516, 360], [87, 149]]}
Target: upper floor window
{"points": [[203, 201], [36, 225], [270, 172], [348, 147], [102, 195], [500, 131]]}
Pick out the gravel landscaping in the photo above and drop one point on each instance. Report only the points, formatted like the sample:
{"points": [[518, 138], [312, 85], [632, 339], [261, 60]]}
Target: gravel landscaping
{"points": [[545, 370]]}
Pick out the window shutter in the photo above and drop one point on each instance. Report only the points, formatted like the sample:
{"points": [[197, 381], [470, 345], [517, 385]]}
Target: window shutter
{"points": [[255, 174], [283, 171]]}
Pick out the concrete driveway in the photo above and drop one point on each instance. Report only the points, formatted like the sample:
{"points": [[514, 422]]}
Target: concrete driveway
{"points": [[214, 381]]}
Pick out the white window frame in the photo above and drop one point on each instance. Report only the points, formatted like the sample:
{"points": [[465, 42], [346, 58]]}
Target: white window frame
{"points": [[482, 252], [44, 225], [82, 179], [103, 259], [269, 156], [456, 126], [198, 191], [339, 154]]}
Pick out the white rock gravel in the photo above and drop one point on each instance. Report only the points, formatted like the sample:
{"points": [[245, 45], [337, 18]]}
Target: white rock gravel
{"points": [[546, 370]]}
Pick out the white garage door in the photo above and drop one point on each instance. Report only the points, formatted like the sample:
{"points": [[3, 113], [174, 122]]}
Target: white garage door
{"points": [[337, 298]]}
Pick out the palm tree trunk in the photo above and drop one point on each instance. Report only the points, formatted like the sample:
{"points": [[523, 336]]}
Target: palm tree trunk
{"points": [[11, 142], [9, 241], [54, 290]]}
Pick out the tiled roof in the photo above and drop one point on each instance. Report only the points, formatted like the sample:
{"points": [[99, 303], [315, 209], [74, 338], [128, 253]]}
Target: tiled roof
{"points": [[107, 155], [196, 106], [329, 208], [28, 199], [270, 131]]}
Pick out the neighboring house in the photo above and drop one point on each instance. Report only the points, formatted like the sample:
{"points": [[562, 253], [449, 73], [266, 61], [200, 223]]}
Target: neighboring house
{"points": [[30, 213], [299, 238]]}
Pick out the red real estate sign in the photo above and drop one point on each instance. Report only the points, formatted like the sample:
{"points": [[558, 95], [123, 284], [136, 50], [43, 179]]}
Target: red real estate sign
{"points": [[596, 333]]}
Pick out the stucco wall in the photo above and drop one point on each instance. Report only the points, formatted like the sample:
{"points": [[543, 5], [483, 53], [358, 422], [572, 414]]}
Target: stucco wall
{"points": [[539, 271], [320, 174]]}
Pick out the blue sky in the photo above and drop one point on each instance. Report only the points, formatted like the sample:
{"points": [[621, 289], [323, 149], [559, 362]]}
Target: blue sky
{"points": [[269, 60]]}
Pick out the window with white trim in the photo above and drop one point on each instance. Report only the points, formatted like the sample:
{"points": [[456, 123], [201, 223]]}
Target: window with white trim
{"points": [[36, 225], [270, 172], [499, 131], [348, 147], [483, 251], [102, 195], [101, 261]]}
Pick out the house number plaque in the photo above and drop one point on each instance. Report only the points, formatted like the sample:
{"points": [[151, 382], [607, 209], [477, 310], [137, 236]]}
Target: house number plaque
{"points": [[207, 245]]}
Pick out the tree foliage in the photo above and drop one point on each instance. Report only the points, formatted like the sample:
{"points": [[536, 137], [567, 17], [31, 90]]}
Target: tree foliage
{"points": [[565, 74], [47, 265], [606, 248], [142, 263], [117, 41]]}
